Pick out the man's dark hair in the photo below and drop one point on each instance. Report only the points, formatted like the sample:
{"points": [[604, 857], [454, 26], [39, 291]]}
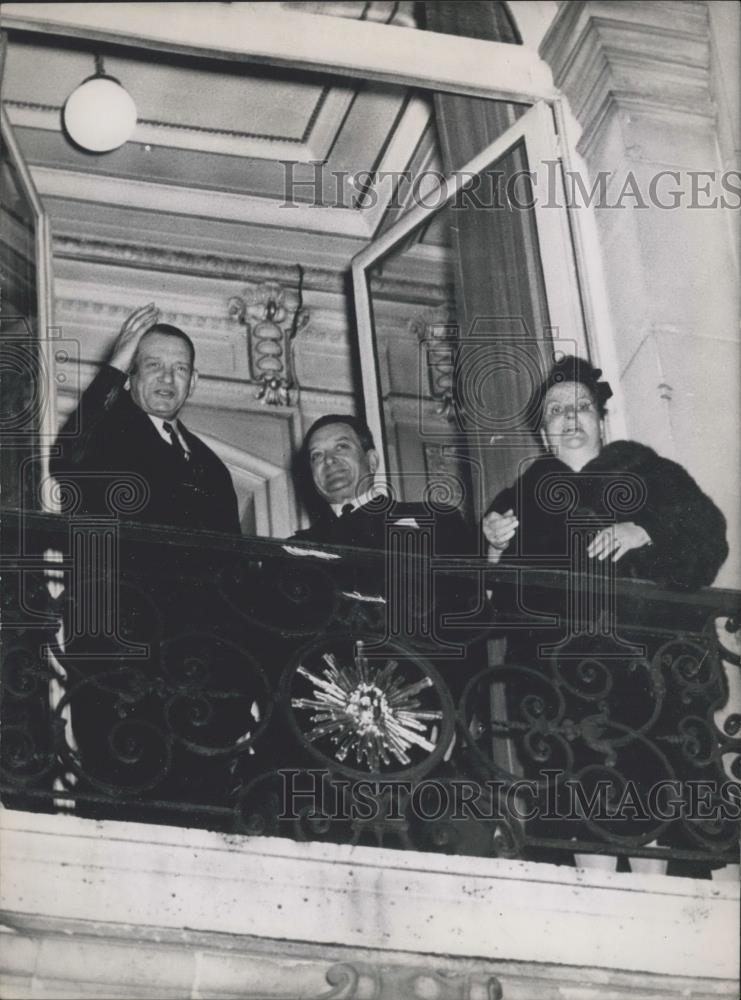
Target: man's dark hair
{"points": [[359, 426], [302, 467], [570, 369], [170, 331]]}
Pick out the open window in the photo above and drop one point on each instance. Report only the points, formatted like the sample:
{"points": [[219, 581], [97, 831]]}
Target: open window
{"points": [[451, 409], [27, 388], [382, 81]]}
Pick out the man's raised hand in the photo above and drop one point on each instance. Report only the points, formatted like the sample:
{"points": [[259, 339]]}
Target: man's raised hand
{"points": [[133, 329]]}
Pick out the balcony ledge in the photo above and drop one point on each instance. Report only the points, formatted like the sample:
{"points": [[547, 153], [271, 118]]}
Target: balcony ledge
{"points": [[70, 873]]}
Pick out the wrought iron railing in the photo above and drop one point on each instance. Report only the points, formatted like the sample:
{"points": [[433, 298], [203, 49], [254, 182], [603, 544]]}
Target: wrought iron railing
{"points": [[259, 687]]}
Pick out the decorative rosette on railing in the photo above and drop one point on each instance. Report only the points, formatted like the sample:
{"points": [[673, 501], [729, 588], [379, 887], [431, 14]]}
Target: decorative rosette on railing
{"points": [[381, 712]]}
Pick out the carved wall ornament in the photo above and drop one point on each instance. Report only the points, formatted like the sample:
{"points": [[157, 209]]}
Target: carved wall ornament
{"points": [[353, 980], [272, 316], [438, 333]]}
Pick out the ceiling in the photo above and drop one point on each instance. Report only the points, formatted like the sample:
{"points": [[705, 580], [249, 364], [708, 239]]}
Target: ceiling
{"points": [[225, 155]]}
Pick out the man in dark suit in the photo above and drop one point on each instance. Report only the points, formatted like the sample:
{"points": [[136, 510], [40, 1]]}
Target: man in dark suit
{"points": [[340, 459], [431, 604], [132, 455]]}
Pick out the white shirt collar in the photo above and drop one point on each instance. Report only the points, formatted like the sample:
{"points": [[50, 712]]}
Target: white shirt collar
{"points": [[159, 423], [359, 501]]}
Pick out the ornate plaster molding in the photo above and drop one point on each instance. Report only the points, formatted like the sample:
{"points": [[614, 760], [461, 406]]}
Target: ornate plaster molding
{"points": [[653, 58], [85, 309], [224, 394], [325, 325], [227, 268], [150, 961], [206, 265]]}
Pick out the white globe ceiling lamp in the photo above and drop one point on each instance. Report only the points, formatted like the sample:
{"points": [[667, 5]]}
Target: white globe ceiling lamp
{"points": [[100, 115]]}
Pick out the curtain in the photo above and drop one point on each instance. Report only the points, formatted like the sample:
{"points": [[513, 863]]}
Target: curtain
{"points": [[501, 303]]}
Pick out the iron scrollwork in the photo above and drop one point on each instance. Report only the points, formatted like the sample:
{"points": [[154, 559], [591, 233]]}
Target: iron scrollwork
{"points": [[235, 674]]}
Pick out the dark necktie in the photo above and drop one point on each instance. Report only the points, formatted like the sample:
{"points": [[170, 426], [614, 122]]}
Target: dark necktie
{"points": [[347, 510], [175, 441]]}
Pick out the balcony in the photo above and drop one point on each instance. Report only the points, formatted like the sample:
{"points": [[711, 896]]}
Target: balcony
{"points": [[359, 731]]}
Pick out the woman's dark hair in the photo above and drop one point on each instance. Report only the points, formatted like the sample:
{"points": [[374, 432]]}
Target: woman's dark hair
{"points": [[571, 369]]}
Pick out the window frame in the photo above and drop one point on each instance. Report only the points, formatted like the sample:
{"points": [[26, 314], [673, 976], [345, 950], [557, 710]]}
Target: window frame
{"points": [[44, 297], [536, 129]]}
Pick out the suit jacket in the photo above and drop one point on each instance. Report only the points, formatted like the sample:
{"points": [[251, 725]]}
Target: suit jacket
{"points": [[428, 608], [627, 481], [368, 527], [121, 464]]}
